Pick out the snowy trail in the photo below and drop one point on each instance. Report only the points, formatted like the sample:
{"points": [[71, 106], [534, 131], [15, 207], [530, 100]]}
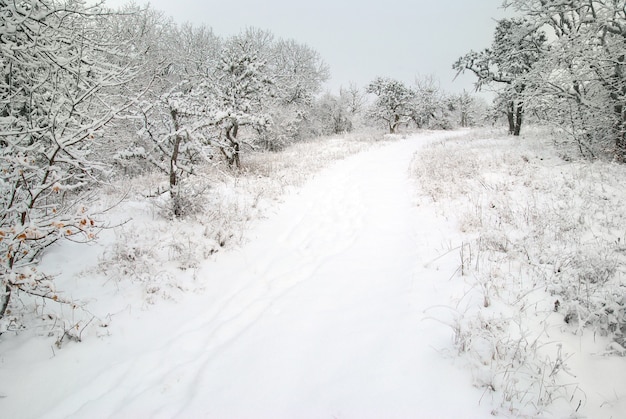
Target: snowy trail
{"points": [[320, 315]]}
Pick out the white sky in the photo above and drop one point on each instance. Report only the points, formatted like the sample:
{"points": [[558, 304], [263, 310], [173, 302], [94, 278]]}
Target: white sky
{"points": [[359, 40]]}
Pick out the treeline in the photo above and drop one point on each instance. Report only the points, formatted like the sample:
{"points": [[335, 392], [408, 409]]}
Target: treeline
{"points": [[563, 62]]}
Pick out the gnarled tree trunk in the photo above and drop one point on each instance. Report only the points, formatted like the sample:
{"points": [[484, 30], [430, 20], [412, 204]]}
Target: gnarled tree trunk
{"points": [[231, 135]]}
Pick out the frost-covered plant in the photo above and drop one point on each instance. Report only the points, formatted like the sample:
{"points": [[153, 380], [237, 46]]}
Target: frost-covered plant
{"points": [[59, 87], [519, 370], [543, 251], [445, 171]]}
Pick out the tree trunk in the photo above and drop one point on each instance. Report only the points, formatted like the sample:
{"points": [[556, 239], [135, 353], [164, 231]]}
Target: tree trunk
{"points": [[620, 109], [511, 118], [6, 298], [174, 156], [4, 301], [519, 111], [393, 125], [177, 206], [231, 135], [620, 132], [514, 113], [173, 162]]}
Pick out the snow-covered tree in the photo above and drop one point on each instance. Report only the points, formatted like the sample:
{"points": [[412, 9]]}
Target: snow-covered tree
{"points": [[167, 130], [152, 40], [516, 47], [267, 87], [60, 86], [299, 73], [242, 92], [465, 104], [394, 102], [580, 81], [214, 94], [176, 115], [331, 115], [430, 105], [354, 98], [337, 114]]}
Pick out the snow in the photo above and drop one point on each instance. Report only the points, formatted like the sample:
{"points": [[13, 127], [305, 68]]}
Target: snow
{"points": [[336, 305]]}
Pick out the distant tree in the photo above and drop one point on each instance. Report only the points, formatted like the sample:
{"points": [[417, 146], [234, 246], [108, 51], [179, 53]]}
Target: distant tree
{"points": [[337, 114], [354, 99], [467, 109], [332, 115], [299, 73], [430, 104], [60, 85], [465, 103], [394, 102], [517, 46]]}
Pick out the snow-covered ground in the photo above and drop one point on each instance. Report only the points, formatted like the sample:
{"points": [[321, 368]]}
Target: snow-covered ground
{"points": [[334, 306]]}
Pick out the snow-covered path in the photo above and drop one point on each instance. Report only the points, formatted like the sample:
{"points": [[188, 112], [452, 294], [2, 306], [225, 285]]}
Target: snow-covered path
{"points": [[320, 315]]}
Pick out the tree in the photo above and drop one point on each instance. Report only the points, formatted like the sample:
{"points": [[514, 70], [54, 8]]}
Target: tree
{"points": [[299, 73], [176, 115], [516, 48], [60, 86], [354, 98], [394, 102], [155, 50], [241, 92], [469, 110], [168, 127], [430, 105], [582, 72], [332, 115]]}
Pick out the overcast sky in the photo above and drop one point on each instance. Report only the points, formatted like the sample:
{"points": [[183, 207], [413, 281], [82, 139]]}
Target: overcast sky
{"points": [[359, 39]]}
